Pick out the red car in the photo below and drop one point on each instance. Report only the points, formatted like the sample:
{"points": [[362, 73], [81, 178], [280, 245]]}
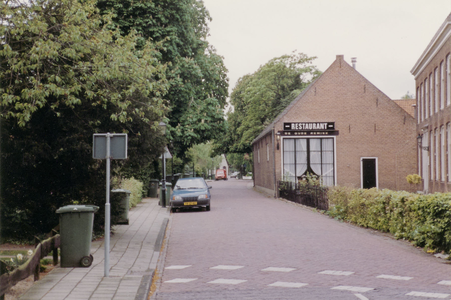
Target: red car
{"points": [[221, 174]]}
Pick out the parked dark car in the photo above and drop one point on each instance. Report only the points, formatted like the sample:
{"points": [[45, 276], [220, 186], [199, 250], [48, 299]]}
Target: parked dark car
{"points": [[190, 192]]}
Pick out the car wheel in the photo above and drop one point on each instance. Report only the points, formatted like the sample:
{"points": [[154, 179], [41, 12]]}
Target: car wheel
{"points": [[207, 208]]}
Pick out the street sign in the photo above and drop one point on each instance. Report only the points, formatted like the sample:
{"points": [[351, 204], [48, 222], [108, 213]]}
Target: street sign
{"points": [[118, 146], [108, 146]]}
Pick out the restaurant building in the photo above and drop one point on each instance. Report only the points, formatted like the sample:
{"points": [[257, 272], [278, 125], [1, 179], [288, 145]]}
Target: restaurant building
{"points": [[342, 129], [432, 74]]}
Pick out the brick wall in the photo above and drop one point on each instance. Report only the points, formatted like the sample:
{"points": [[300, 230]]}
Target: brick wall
{"points": [[369, 124]]}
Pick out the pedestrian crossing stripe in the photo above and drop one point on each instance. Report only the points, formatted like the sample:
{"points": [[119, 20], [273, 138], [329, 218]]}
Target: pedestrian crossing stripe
{"points": [[394, 277], [445, 282], [227, 281], [288, 284], [337, 273], [224, 267], [274, 269], [428, 295], [356, 289]]}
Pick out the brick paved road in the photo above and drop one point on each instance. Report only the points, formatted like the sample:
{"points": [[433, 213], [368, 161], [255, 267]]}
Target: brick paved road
{"points": [[250, 246]]}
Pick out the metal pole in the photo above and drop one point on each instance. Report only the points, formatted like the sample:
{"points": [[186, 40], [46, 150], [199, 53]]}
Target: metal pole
{"points": [[107, 206], [163, 182]]}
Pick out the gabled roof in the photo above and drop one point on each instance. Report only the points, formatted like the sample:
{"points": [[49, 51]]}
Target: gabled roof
{"points": [[440, 37], [299, 97], [408, 105]]}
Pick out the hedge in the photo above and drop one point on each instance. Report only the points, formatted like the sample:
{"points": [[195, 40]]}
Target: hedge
{"points": [[136, 189], [425, 220]]}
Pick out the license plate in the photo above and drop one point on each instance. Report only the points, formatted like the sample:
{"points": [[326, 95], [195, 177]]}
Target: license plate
{"points": [[190, 203]]}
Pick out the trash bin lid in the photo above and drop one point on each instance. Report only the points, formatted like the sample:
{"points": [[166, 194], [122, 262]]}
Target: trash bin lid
{"points": [[77, 209], [121, 191]]}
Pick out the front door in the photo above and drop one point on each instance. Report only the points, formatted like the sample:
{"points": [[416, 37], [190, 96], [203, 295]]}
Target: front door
{"points": [[369, 172]]}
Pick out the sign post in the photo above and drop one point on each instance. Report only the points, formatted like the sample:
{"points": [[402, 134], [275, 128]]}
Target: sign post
{"points": [[109, 146]]}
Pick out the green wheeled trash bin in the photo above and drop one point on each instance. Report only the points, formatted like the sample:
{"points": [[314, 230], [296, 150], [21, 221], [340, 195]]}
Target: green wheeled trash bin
{"points": [[168, 193], [76, 224], [124, 204], [153, 188]]}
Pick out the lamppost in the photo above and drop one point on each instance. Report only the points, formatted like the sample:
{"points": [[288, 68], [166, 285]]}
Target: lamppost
{"points": [[163, 157]]}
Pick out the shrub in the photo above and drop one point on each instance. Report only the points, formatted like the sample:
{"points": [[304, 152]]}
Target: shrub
{"points": [[423, 219], [136, 189]]}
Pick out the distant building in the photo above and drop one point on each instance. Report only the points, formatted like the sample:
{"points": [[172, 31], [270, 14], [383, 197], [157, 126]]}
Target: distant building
{"points": [[341, 128], [432, 74]]}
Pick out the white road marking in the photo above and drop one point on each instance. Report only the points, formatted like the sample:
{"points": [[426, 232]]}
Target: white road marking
{"points": [[361, 297], [445, 282], [357, 289], [394, 277], [180, 280], [338, 273], [430, 295], [227, 281], [274, 269], [223, 267], [288, 284], [178, 267]]}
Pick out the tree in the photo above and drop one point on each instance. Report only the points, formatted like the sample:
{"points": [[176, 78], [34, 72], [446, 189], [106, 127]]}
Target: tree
{"points": [[197, 75], [408, 96], [259, 97], [202, 157], [64, 76]]}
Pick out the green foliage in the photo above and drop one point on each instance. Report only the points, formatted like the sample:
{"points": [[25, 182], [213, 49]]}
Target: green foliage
{"points": [[64, 76], [202, 157], [197, 75], [413, 179], [259, 97], [238, 160], [423, 219], [136, 189]]}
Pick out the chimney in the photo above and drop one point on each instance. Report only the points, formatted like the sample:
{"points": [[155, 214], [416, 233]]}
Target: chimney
{"points": [[354, 61]]}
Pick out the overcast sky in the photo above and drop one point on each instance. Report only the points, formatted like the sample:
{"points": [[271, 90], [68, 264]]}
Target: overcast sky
{"points": [[386, 36]]}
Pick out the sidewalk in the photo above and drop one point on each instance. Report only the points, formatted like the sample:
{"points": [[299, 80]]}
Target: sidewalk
{"points": [[134, 252]]}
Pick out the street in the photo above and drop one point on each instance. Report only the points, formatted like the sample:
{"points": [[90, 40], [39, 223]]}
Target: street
{"points": [[250, 246]]}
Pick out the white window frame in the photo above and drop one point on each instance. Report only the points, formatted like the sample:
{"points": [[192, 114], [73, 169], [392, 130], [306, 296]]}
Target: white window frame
{"points": [[448, 80], [448, 149], [442, 85], [442, 154], [437, 149], [431, 95], [436, 90], [267, 152], [361, 171], [432, 165]]}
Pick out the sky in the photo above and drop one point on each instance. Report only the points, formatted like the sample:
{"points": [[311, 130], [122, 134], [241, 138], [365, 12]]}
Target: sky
{"points": [[386, 36]]}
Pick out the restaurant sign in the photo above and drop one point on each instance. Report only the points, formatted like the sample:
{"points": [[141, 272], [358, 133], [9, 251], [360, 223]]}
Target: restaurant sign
{"points": [[309, 128]]}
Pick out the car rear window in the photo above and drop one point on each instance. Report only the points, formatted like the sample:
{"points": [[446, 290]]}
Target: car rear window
{"points": [[190, 183]]}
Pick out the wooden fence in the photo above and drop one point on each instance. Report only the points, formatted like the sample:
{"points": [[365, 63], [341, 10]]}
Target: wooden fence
{"points": [[32, 266]]}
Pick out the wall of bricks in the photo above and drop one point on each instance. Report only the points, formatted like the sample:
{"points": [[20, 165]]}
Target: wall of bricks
{"points": [[369, 124], [437, 54]]}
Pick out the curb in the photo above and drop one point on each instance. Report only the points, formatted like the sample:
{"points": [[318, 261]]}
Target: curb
{"points": [[146, 281]]}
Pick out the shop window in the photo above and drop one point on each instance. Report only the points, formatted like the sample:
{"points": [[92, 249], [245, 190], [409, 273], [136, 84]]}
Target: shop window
{"points": [[314, 156]]}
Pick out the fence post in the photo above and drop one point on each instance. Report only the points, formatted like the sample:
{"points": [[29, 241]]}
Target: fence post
{"points": [[55, 249]]}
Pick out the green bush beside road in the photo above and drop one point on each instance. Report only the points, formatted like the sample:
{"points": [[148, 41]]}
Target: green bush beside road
{"points": [[425, 220], [136, 189]]}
